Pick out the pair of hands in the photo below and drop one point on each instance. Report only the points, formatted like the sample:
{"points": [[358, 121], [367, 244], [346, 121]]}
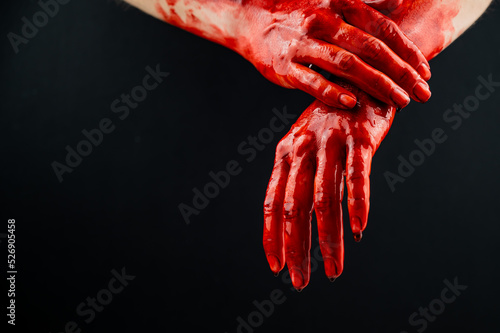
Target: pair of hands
{"points": [[339, 133], [325, 145]]}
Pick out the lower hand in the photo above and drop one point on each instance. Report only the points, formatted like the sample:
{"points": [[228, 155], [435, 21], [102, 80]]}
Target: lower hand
{"points": [[324, 146]]}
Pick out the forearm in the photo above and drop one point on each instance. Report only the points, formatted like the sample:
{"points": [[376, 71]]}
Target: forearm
{"points": [[216, 20], [433, 25]]}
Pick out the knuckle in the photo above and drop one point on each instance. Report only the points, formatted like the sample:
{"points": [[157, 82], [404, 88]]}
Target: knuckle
{"points": [[283, 148], [292, 210], [406, 76], [345, 60], [312, 81], [329, 245], [412, 56], [323, 202], [271, 208], [358, 203], [314, 20], [304, 145], [300, 78], [291, 252], [357, 174], [373, 48], [379, 81], [349, 7], [387, 29]]}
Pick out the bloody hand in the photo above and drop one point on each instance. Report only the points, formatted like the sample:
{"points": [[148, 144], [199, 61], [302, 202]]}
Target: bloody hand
{"points": [[344, 37], [311, 161]]}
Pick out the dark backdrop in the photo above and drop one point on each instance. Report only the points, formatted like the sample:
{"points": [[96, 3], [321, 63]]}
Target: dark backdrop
{"points": [[118, 209]]}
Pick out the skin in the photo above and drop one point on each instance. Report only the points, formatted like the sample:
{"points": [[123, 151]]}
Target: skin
{"points": [[327, 144], [281, 38]]}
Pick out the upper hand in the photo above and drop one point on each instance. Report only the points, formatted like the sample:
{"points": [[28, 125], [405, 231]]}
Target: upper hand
{"points": [[347, 38]]}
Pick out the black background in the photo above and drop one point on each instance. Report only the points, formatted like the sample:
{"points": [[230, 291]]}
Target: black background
{"points": [[119, 207]]}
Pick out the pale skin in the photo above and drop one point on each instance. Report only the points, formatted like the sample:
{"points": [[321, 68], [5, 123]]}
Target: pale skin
{"points": [[470, 11]]}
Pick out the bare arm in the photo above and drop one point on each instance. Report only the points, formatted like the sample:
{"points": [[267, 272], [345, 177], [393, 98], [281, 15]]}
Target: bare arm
{"points": [[433, 25]]}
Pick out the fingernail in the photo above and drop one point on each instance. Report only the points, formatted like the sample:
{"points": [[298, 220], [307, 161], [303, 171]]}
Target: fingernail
{"points": [[347, 101], [332, 279], [297, 279], [422, 91], [356, 224], [358, 236], [274, 263], [400, 97], [424, 71], [330, 268]]}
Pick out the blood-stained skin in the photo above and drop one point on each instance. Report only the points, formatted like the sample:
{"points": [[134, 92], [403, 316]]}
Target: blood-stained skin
{"points": [[378, 52], [328, 144]]}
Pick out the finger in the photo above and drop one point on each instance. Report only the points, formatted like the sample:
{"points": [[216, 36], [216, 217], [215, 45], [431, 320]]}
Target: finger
{"points": [[348, 66], [380, 26], [328, 193], [297, 212], [273, 213], [316, 85], [377, 54], [358, 166]]}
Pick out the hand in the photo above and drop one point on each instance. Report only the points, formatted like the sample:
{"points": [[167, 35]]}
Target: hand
{"points": [[344, 37], [323, 146]]}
